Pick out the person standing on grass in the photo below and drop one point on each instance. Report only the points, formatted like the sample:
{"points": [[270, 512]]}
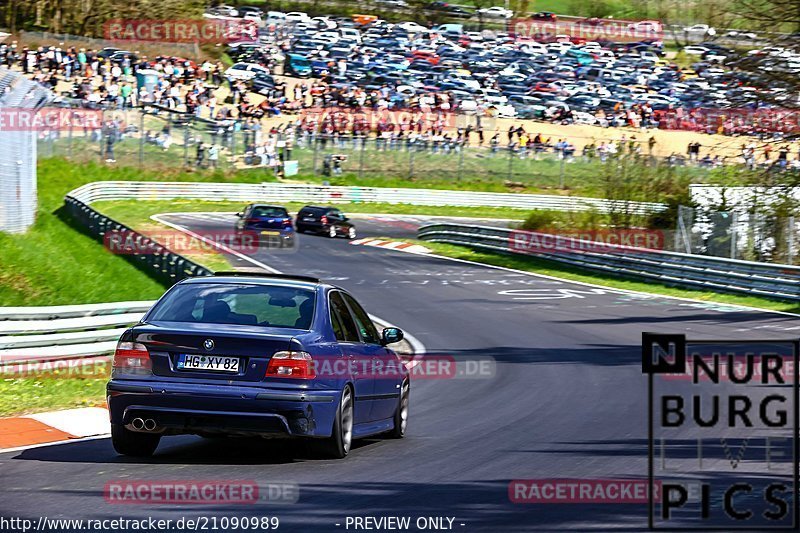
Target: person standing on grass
{"points": [[125, 93], [212, 106], [201, 155], [110, 139], [495, 141], [213, 155], [523, 144]]}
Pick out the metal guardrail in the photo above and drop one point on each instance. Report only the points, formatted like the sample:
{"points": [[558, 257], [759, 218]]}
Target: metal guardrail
{"points": [[47, 334], [285, 192], [671, 268], [158, 260], [77, 339]]}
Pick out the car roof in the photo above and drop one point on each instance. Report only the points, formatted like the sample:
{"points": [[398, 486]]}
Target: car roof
{"points": [[268, 205], [325, 208], [258, 278]]}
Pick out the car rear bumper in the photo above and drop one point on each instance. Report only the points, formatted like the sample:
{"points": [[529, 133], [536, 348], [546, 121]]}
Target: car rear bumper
{"points": [[179, 408], [309, 226]]}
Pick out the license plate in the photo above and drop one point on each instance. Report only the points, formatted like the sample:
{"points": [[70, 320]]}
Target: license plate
{"points": [[270, 233], [214, 363], [309, 219]]}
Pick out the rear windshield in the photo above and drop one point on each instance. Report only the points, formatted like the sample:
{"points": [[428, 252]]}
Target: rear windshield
{"points": [[312, 211], [240, 304], [266, 211]]}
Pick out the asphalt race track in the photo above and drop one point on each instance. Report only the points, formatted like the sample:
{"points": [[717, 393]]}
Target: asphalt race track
{"points": [[567, 400]]}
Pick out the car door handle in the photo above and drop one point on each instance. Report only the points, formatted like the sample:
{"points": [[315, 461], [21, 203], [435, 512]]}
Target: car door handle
{"points": [[353, 367]]}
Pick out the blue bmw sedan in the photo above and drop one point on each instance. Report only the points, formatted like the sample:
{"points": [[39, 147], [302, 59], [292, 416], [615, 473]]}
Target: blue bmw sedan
{"points": [[258, 355], [271, 223]]}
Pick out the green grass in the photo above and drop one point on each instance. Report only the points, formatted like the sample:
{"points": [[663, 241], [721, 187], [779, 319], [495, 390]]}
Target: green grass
{"points": [[25, 395], [550, 268], [56, 264], [477, 170]]}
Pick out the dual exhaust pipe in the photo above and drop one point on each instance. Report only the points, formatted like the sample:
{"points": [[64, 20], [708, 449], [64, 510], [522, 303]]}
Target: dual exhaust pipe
{"points": [[140, 424]]}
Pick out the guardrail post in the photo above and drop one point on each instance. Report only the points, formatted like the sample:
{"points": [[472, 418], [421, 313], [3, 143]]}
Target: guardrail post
{"points": [[790, 251]]}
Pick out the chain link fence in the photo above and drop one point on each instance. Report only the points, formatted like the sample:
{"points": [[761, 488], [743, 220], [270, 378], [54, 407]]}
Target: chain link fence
{"points": [[158, 137], [735, 235]]}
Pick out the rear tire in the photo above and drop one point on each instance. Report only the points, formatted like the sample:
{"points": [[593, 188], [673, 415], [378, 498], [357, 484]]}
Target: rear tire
{"points": [[337, 446], [332, 232], [401, 414], [131, 443]]}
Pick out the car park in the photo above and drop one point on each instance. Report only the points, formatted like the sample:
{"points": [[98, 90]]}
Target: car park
{"points": [[501, 69], [256, 355]]}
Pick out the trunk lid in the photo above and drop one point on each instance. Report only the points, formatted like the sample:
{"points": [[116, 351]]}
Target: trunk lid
{"points": [[177, 348]]}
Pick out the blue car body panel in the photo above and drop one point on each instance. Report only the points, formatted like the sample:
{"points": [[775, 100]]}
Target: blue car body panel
{"points": [[247, 402]]}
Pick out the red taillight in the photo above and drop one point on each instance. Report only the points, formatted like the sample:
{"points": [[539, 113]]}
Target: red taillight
{"points": [[132, 358], [297, 365], [252, 220], [287, 222], [323, 219]]}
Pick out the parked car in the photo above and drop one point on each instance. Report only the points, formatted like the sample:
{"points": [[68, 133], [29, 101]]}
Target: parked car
{"points": [[325, 220], [245, 71], [264, 355], [297, 65], [496, 12], [545, 16], [701, 30]]}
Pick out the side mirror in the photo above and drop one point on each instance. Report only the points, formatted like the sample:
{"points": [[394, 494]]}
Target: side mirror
{"points": [[239, 215], [344, 218], [391, 335]]}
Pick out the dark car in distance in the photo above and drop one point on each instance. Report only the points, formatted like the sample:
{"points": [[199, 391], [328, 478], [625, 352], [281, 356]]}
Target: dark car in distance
{"points": [[325, 220], [272, 224], [264, 355]]}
